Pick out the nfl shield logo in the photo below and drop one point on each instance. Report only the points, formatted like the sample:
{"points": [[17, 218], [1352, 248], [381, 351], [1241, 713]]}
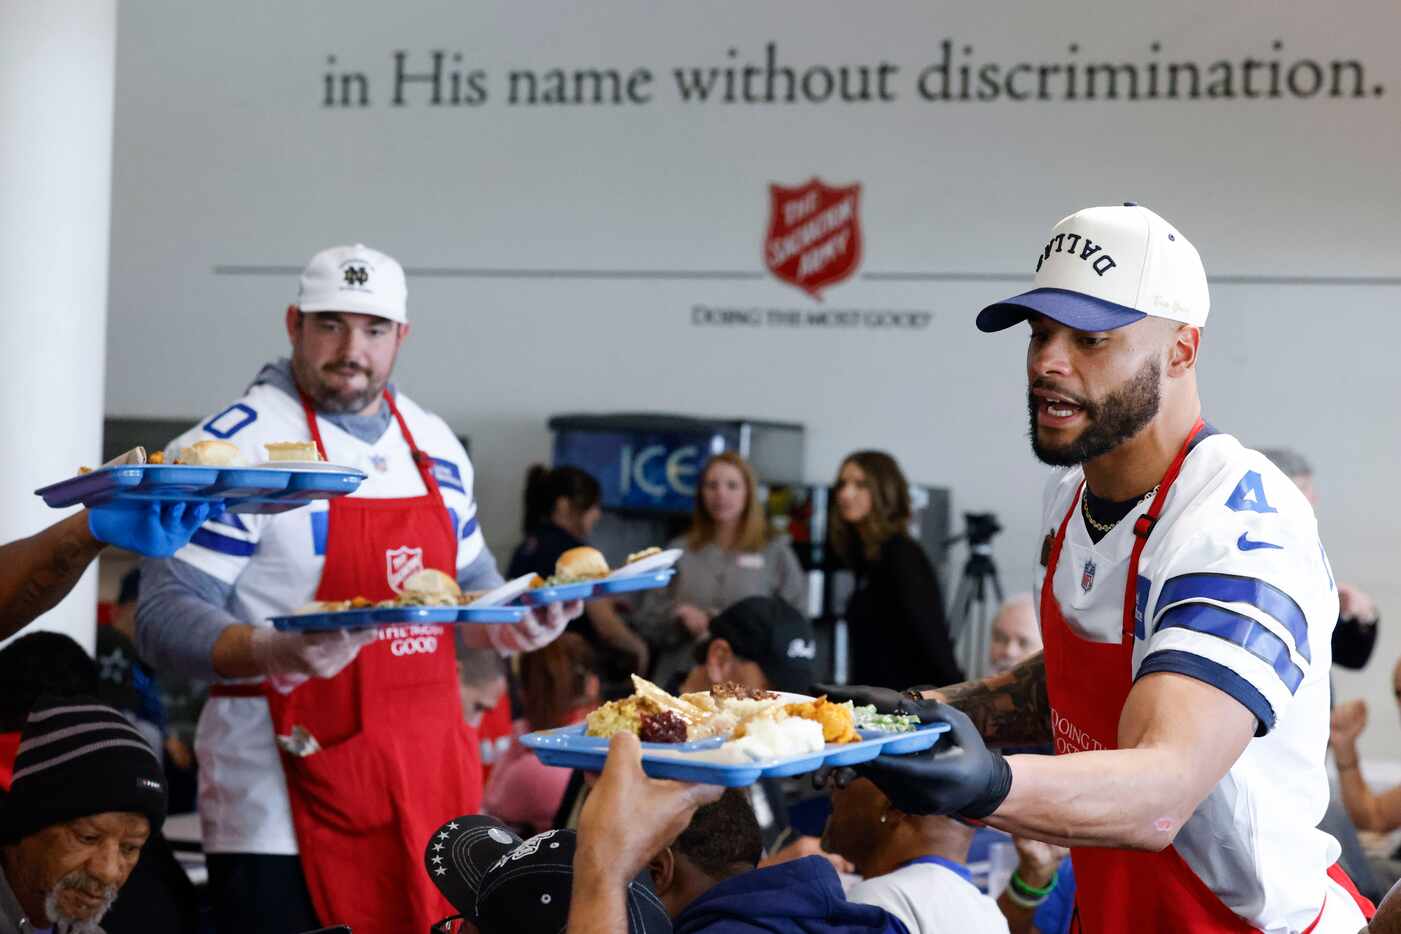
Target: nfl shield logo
{"points": [[401, 564], [1087, 579], [814, 238]]}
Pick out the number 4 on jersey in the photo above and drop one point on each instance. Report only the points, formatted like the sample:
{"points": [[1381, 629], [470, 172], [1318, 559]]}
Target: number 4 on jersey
{"points": [[1249, 495]]}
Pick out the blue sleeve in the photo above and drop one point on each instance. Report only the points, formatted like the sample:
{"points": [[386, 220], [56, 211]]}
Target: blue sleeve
{"points": [[481, 574], [180, 616], [1053, 917]]}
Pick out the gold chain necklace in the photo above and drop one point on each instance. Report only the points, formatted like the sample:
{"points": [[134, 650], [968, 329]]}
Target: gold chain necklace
{"points": [[1101, 527]]}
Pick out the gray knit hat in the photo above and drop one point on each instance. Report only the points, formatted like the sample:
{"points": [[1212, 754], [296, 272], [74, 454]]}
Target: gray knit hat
{"points": [[78, 757]]}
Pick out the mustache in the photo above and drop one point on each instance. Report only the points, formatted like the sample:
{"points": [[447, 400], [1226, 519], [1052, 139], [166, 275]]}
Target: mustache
{"points": [[1047, 385], [88, 885]]}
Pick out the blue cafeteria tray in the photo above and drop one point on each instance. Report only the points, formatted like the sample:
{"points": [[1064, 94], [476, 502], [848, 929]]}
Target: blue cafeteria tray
{"points": [[239, 489], [686, 762], [589, 590], [399, 615]]}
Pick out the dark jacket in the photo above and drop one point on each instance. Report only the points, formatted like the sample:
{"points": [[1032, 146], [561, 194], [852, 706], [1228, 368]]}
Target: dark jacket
{"points": [[895, 620], [799, 897]]}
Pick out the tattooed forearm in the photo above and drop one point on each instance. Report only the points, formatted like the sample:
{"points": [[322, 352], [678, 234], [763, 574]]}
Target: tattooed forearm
{"points": [[1010, 709], [39, 571]]}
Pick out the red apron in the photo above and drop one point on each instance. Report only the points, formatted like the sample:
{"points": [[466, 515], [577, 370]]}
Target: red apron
{"points": [[397, 758], [1088, 683]]}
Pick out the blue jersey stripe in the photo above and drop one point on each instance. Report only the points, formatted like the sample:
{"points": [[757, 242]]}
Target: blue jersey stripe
{"points": [[1216, 675], [223, 544], [1238, 630], [320, 525], [1229, 588], [469, 528]]}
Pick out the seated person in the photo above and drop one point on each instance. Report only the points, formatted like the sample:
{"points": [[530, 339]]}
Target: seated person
{"points": [[766, 645], [914, 867], [87, 793], [501, 884], [32, 666], [561, 508], [703, 862], [559, 687], [484, 690], [1015, 634], [1380, 813], [1355, 635]]}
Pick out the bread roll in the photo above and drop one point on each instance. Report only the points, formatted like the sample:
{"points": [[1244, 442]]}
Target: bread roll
{"points": [[292, 451], [211, 454], [433, 585], [580, 564]]}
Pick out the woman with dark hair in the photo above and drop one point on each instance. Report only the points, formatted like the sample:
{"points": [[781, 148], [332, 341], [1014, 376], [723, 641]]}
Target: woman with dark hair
{"points": [[561, 509], [898, 636], [559, 687], [729, 555]]}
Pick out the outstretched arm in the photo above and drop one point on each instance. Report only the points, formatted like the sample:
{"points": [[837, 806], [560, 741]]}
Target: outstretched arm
{"points": [[39, 571], [1178, 737]]}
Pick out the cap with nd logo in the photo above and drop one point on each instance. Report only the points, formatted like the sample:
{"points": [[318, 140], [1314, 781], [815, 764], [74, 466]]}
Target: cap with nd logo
{"points": [[355, 279]]}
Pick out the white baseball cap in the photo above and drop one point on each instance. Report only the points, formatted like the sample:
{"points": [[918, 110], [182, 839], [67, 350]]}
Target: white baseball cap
{"points": [[355, 279], [1107, 267]]}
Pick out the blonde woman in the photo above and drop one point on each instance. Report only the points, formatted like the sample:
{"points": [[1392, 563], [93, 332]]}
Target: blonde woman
{"points": [[729, 556]]}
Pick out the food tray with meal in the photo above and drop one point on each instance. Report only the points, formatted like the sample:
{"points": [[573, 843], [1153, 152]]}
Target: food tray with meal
{"points": [[583, 574], [428, 597], [210, 471], [733, 736]]}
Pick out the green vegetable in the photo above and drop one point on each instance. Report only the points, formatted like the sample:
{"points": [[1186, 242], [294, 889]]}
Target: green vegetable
{"points": [[868, 719]]}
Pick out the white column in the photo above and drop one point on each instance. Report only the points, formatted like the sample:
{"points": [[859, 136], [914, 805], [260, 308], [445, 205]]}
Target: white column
{"points": [[57, 77]]}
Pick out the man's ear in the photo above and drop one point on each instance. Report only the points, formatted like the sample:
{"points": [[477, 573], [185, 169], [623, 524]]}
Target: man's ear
{"points": [[294, 322], [1182, 356], [719, 660], [663, 869]]}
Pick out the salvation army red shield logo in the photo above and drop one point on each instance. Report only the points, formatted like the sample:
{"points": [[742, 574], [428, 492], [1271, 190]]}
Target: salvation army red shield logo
{"points": [[401, 564], [814, 238]]}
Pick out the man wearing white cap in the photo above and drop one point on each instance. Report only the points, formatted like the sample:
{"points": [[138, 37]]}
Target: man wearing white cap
{"points": [[326, 759], [1186, 606]]}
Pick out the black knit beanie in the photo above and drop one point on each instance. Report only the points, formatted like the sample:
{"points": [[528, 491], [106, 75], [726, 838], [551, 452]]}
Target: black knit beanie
{"points": [[78, 757]]}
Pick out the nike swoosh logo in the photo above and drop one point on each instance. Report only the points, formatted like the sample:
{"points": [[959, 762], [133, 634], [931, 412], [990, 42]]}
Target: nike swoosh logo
{"points": [[1245, 544]]}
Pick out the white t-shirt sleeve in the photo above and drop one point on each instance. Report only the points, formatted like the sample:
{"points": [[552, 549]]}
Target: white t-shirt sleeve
{"points": [[1247, 602]]}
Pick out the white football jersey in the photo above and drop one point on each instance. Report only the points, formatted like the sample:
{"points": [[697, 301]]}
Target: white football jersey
{"points": [[274, 565], [1235, 590]]}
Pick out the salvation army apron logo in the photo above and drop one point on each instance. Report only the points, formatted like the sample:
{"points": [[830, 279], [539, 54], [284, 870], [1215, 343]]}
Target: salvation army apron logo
{"points": [[401, 564], [814, 238]]}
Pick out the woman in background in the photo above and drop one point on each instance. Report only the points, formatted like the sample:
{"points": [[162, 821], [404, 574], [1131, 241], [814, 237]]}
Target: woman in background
{"points": [[895, 619], [559, 686], [729, 555], [562, 506]]}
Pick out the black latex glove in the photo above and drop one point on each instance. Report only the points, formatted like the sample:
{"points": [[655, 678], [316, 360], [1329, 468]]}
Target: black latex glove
{"points": [[958, 776], [885, 700]]}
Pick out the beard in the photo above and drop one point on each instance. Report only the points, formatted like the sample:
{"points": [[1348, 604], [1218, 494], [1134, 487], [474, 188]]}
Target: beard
{"points": [[80, 880], [1114, 419], [337, 401]]}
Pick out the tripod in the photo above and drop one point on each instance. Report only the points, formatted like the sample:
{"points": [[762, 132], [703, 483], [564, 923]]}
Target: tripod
{"points": [[971, 614]]}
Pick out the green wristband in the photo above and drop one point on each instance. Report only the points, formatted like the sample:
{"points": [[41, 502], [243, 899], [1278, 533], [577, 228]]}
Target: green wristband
{"points": [[1027, 890]]}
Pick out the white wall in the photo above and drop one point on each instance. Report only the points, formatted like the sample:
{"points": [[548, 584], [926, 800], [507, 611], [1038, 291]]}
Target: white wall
{"points": [[225, 156], [56, 74]]}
